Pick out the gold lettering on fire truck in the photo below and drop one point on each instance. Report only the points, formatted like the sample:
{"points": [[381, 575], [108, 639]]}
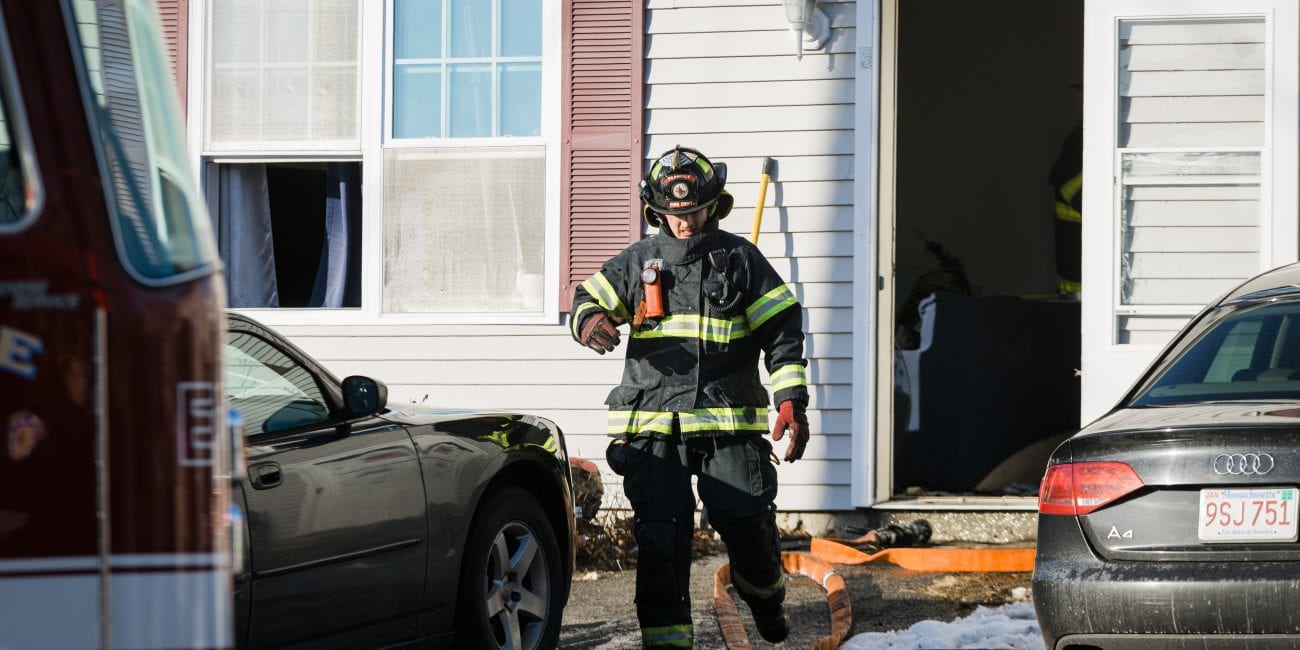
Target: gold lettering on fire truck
{"points": [[196, 426], [18, 351]]}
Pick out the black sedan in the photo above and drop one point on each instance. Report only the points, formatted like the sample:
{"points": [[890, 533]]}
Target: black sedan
{"points": [[1171, 522], [385, 525]]}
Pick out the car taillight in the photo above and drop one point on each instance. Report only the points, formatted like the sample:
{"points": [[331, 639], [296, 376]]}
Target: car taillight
{"points": [[1080, 488]]}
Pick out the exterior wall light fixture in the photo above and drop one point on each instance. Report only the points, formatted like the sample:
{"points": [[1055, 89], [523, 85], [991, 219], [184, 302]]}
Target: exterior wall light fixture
{"points": [[810, 25]]}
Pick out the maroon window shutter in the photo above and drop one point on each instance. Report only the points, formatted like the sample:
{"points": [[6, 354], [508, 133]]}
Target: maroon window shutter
{"points": [[173, 17], [600, 154]]}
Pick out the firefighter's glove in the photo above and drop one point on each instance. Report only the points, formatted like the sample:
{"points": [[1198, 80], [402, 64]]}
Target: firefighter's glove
{"points": [[600, 333], [791, 417]]}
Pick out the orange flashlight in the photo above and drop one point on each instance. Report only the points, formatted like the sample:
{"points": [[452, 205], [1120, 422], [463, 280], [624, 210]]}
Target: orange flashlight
{"points": [[654, 297]]}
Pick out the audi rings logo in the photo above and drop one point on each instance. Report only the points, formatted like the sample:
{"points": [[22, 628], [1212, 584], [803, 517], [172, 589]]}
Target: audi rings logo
{"points": [[1242, 464]]}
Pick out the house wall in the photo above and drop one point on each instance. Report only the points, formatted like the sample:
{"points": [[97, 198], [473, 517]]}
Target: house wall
{"points": [[721, 76]]}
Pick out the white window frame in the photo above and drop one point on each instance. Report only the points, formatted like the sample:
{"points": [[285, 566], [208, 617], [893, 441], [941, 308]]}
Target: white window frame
{"points": [[375, 70]]}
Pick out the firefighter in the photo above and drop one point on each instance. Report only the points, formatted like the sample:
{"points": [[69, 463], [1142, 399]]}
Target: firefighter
{"points": [[1067, 186], [700, 304]]}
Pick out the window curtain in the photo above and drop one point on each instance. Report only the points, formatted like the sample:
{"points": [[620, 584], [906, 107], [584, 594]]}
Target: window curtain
{"points": [[334, 287], [244, 234]]}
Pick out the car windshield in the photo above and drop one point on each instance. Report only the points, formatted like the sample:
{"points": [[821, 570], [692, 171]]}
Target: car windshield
{"points": [[1239, 352]]}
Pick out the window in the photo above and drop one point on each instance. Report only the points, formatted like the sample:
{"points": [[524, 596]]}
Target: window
{"points": [[282, 75], [464, 228], [1249, 351], [466, 68], [1191, 133], [269, 389], [158, 222], [18, 189], [282, 82]]}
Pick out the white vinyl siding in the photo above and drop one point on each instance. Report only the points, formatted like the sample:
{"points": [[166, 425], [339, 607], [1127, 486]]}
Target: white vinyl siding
{"points": [[1191, 138]]}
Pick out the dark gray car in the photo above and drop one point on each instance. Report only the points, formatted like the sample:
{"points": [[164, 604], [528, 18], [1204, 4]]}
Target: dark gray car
{"points": [[386, 525], [1171, 522]]}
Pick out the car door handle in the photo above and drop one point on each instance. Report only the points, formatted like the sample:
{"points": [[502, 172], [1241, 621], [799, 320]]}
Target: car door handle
{"points": [[264, 475]]}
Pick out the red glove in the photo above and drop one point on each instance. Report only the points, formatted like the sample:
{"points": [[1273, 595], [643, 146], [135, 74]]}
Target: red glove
{"points": [[791, 417], [600, 333]]}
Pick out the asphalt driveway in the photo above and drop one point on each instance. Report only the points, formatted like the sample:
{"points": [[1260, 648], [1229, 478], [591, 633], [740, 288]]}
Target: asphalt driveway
{"points": [[883, 597]]}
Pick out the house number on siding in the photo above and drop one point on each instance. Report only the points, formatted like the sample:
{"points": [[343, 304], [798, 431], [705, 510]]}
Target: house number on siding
{"points": [[864, 58]]}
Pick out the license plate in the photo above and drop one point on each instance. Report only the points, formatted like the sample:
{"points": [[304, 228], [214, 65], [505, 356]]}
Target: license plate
{"points": [[1266, 514]]}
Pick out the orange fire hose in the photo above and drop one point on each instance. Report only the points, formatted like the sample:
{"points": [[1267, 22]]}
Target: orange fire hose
{"points": [[837, 597], [817, 565], [950, 560]]}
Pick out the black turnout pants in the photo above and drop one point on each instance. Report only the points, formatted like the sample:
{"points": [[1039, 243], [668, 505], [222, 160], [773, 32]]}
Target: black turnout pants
{"points": [[737, 484]]}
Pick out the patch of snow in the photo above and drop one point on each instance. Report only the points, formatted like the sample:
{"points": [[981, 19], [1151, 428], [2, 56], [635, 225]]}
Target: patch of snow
{"points": [[1010, 626]]}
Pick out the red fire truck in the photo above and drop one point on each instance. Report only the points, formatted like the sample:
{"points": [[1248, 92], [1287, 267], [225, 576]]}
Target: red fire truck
{"points": [[115, 525]]}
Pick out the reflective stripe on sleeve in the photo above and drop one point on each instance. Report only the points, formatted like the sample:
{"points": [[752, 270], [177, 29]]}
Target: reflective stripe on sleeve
{"points": [[768, 305], [604, 293], [1072, 187], [1066, 212], [789, 376], [578, 314]]}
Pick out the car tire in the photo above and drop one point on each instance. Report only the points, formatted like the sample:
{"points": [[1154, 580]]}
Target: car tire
{"points": [[511, 587]]}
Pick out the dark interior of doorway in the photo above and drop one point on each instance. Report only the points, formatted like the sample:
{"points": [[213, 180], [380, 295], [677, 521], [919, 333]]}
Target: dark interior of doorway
{"points": [[986, 346]]}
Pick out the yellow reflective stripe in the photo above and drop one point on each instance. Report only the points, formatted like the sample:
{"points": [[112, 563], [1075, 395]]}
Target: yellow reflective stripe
{"points": [[724, 419], [1066, 212], [704, 165], [715, 330], [769, 304], [604, 293], [691, 326], [789, 376], [578, 314], [633, 422], [677, 636], [1067, 286], [761, 592], [623, 422], [1072, 187]]}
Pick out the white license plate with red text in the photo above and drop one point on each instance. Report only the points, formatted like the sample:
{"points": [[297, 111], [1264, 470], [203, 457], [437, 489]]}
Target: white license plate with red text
{"points": [[1257, 514]]}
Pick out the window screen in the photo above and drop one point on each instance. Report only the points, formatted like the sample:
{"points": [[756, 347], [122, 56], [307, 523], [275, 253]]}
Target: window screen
{"points": [[464, 230], [283, 75]]}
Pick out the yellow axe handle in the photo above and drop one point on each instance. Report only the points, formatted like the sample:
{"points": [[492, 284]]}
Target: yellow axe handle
{"points": [[762, 198]]}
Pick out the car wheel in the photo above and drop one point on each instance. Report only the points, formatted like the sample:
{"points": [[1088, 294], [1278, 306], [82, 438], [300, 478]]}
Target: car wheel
{"points": [[510, 586]]}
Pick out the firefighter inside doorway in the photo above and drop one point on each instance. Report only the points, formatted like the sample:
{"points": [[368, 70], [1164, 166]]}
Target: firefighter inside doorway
{"points": [[701, 304]]}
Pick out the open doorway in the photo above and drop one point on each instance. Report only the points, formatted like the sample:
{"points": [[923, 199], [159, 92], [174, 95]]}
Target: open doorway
{"points": [[985, 339]]}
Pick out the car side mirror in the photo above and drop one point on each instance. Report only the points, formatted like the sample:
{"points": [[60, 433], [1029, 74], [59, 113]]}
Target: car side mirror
{"points": [[363, 395]]}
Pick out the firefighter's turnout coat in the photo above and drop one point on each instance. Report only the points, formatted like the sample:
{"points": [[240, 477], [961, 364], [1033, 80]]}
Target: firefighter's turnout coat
{"points": [[724, 303]]}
